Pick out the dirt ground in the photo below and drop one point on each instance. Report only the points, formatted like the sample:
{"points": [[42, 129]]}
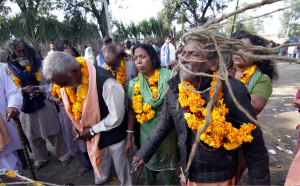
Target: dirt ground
{"points": [[279, 116]]}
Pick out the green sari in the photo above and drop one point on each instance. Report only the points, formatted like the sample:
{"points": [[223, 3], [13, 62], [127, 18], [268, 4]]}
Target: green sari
{"points": [[165, 157]]}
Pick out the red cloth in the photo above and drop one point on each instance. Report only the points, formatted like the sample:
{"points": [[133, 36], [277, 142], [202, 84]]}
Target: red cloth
{"points": [[297, 97]]}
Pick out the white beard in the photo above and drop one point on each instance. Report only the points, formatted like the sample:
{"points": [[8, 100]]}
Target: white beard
{"points": [[186, 75], [23, 61]]}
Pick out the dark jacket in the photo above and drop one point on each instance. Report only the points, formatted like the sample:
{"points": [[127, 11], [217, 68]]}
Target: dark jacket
{"points": [[117, 134], [219, 165]]}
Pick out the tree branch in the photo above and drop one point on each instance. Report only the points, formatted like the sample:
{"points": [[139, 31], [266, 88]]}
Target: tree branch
{"points": [[193, 11], [37, 5], [205, 9]]}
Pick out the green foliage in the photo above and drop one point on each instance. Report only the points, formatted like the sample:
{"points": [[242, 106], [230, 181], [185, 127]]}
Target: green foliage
{"points": [[192, 12], [47, 28], [290, 20], [152, 29], [253, 26]]}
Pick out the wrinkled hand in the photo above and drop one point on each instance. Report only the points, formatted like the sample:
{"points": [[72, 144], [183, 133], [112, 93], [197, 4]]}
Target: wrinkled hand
{"points": [[128, 147], [11, 112], [30, 89], [86, 134], [75, 133], [139, 160], [172, 64], [60, 102]]}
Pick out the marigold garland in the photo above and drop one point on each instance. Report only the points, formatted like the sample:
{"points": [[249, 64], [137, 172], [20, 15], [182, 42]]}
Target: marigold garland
{"points": [[248, 73], [121, 73], [219, 132], [11, 174], [146, 112], [56, 90], [77, 99], [37, 74]]}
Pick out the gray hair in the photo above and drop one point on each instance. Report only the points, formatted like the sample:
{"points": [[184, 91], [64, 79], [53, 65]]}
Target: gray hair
{"points": [[58, 62], [3, 56]]}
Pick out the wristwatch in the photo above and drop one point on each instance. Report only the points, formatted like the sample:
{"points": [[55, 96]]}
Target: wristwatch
{"points": [[92, 132]]}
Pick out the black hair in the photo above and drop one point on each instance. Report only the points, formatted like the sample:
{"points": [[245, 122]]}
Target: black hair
{"points": [[12, 52], [107, 40], [152, 53], [168, 36], [128, 44], [52, 43], [267, 67], [61, 44], [76, 52]]}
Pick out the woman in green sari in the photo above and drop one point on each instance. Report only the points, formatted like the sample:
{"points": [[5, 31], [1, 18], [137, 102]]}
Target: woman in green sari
{"points": [[257, 75], [146, 100]]}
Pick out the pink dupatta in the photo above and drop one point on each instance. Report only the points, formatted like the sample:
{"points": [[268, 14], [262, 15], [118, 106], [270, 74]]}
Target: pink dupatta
{"points": [[90, 117]]}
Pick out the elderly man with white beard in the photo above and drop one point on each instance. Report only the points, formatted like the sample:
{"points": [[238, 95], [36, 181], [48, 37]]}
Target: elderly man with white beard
{"points": [[39, 117], [215, 161]]}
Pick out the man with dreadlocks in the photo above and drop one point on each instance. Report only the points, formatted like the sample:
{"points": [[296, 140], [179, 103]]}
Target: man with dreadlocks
{"points": [[215, 161], [39, 117]]}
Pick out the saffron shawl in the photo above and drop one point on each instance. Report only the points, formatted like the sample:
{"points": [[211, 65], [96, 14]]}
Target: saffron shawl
{"points": [[90, 117]]}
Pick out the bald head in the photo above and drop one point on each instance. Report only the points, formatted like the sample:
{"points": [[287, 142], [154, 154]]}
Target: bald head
{"points": [[59, 63]]}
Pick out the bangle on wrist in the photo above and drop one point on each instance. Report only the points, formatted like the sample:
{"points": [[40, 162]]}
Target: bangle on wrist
{"points": [[130, 131]]}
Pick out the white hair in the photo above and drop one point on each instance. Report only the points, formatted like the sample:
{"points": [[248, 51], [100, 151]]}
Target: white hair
{"points": [[58, 62], [3, 56]]}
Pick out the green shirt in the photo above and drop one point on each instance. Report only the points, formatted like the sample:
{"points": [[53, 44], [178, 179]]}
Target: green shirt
{"points": [[263, 87]]}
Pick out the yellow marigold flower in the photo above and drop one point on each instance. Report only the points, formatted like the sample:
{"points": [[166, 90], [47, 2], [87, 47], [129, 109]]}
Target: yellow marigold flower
{"points": [[219, 130], [248, 73], [11, 174], [145, 113], [38, 184], [56, 90], [231, 146], [77, 100], [121, 73]]}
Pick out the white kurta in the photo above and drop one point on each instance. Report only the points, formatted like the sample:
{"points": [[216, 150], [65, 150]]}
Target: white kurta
{"points": [[43, 122], [10, 96]]}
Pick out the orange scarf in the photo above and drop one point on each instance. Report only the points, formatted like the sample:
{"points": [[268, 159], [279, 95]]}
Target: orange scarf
{"points": [[4, 136], [90, 117]]}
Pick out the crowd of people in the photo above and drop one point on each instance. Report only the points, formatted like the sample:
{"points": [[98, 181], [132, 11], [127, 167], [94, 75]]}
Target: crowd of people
{"points": [[97, 108]]}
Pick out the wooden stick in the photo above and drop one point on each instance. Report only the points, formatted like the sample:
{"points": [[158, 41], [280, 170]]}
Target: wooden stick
{"points": [[22, 139]]}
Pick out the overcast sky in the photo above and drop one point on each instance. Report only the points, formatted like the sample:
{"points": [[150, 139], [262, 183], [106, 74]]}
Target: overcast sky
{"points": [[137, 10]]}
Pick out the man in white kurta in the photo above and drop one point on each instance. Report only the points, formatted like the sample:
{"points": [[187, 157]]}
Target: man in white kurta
{"points": [[42, 121], [10, 99]]}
